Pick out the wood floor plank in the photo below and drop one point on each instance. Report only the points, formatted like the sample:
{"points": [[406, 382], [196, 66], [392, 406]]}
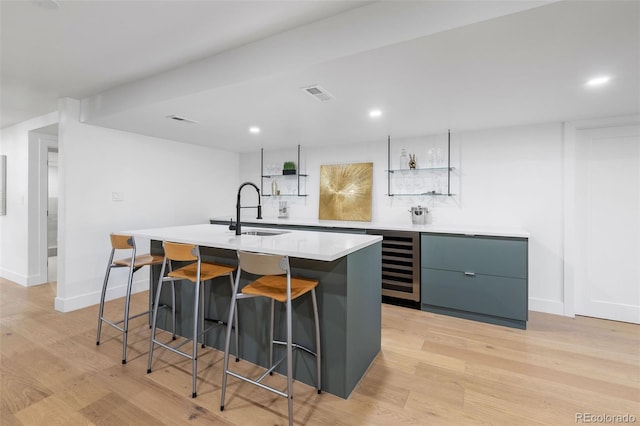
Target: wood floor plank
{"points": [[113, 409], [8, 419], [19, 388], [432, 370], [51, 412], [551, 391]]}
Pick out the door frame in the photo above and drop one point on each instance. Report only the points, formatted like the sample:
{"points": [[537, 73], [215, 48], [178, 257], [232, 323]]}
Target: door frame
{"points": [[45, 143], [570, 251]]}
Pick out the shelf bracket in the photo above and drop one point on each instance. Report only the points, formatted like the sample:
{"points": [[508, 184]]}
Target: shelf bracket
{"points": [[448, 161], [389, 165]]}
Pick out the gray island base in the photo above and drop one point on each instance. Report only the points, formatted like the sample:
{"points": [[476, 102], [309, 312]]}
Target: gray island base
{"points": [[349, 303]]}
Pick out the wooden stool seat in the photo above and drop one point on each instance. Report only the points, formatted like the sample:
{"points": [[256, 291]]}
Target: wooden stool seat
{"points": [[140, 261], [208, 271], [275, 287]]}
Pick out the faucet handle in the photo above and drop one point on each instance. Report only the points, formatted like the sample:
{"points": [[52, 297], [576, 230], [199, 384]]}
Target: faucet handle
{"points": [[232, 227]]}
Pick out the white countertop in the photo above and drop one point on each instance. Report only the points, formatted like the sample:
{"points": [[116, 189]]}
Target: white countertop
{"points": [[464, 229], [326, 246]]}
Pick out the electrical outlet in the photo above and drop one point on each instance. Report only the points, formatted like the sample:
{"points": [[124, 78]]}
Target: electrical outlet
{"points": [[117, 196]]}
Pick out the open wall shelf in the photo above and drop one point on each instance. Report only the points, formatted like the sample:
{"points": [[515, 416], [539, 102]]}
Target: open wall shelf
{"points": [[424, 181], [286, 178]]}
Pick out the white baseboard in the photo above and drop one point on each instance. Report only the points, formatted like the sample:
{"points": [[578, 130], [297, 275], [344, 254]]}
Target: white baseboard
{"points": [[23, 280], [547, 306], [36, 280], [13, 276], [93, 298]]}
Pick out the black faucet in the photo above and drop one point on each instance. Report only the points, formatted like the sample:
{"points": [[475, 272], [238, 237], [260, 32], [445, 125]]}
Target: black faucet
{"points": [[238, 207]]}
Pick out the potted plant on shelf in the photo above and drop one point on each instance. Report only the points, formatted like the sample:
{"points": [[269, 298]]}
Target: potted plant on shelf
{"points": [[289, 168]]}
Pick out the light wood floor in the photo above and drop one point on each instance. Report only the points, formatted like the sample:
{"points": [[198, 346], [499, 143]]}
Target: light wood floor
{"points": [[432, 370]]}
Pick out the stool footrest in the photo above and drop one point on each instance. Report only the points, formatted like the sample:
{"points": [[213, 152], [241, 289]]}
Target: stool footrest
{"points": [[271, 369], [217, 321], [114, 324], [139, 315], [260, 385], [175, 349], [184, 342], [296, 346]]}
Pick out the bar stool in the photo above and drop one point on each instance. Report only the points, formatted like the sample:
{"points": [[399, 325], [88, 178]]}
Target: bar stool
{"points": [[196, 272], [134, 263], [276, 284]]}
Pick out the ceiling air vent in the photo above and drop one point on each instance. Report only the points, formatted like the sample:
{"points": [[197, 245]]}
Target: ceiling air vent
{"points": [[318, 93], [179, 118]]}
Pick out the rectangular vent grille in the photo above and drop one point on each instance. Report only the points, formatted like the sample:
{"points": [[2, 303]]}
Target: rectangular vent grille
{"points": [[400, 264], [318, 93], [184, 119]]}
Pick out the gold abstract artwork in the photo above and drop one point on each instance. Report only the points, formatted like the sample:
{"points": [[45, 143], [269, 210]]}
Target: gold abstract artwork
{"points": [[345, 192]]}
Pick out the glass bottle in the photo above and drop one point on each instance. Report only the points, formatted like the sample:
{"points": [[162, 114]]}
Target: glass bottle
{"points": [[404, 159]]}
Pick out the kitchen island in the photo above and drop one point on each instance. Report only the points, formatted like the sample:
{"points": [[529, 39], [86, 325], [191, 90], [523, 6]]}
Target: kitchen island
{"points": [[348, 267]]}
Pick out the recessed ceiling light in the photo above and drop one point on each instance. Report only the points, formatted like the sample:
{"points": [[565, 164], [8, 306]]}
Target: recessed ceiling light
{"points": [[254, 129], [598, 81], [375, 113]]}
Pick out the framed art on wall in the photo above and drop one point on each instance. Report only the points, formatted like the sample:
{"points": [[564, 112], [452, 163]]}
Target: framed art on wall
{"points": [[345, 192]]}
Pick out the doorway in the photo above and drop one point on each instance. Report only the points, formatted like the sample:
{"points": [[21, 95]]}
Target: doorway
{"points": [[52, 214], [607, 222], [43, 195]]}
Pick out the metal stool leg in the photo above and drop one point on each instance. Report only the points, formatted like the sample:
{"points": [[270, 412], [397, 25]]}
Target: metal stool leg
{"points": [[154, 321], [202, 329], [318, 351], [102, 297], [235, 320], [227, 340], [173, 308], [289, 362], [125, 326], [173, 301], [271, 334], [194, 359]]}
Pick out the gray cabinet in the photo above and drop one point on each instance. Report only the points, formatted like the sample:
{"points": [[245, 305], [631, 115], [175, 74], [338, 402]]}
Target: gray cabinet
{"points": [[475, 277]]}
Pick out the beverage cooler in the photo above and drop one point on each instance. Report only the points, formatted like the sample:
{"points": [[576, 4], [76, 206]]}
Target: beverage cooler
{"points": [[400, 264]]}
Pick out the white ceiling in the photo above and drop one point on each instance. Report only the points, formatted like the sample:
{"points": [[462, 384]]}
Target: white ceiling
{"points": [[70, 48], [428, 66]]}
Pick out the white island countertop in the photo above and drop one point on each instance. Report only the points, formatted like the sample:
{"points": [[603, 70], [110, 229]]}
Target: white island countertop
{"points": [[325, 246]]}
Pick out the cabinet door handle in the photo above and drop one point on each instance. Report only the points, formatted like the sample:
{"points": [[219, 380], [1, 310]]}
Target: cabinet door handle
{"points": [[470, 274]]}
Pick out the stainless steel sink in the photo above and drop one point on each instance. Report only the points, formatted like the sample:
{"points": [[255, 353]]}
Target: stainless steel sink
{"points": [[263, 232]]}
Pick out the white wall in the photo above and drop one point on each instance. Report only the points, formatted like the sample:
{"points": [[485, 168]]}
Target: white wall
{"points": [[510, 176], [519, 171], [15, 242], [507, 176], [384, 208], [162, 183]]}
